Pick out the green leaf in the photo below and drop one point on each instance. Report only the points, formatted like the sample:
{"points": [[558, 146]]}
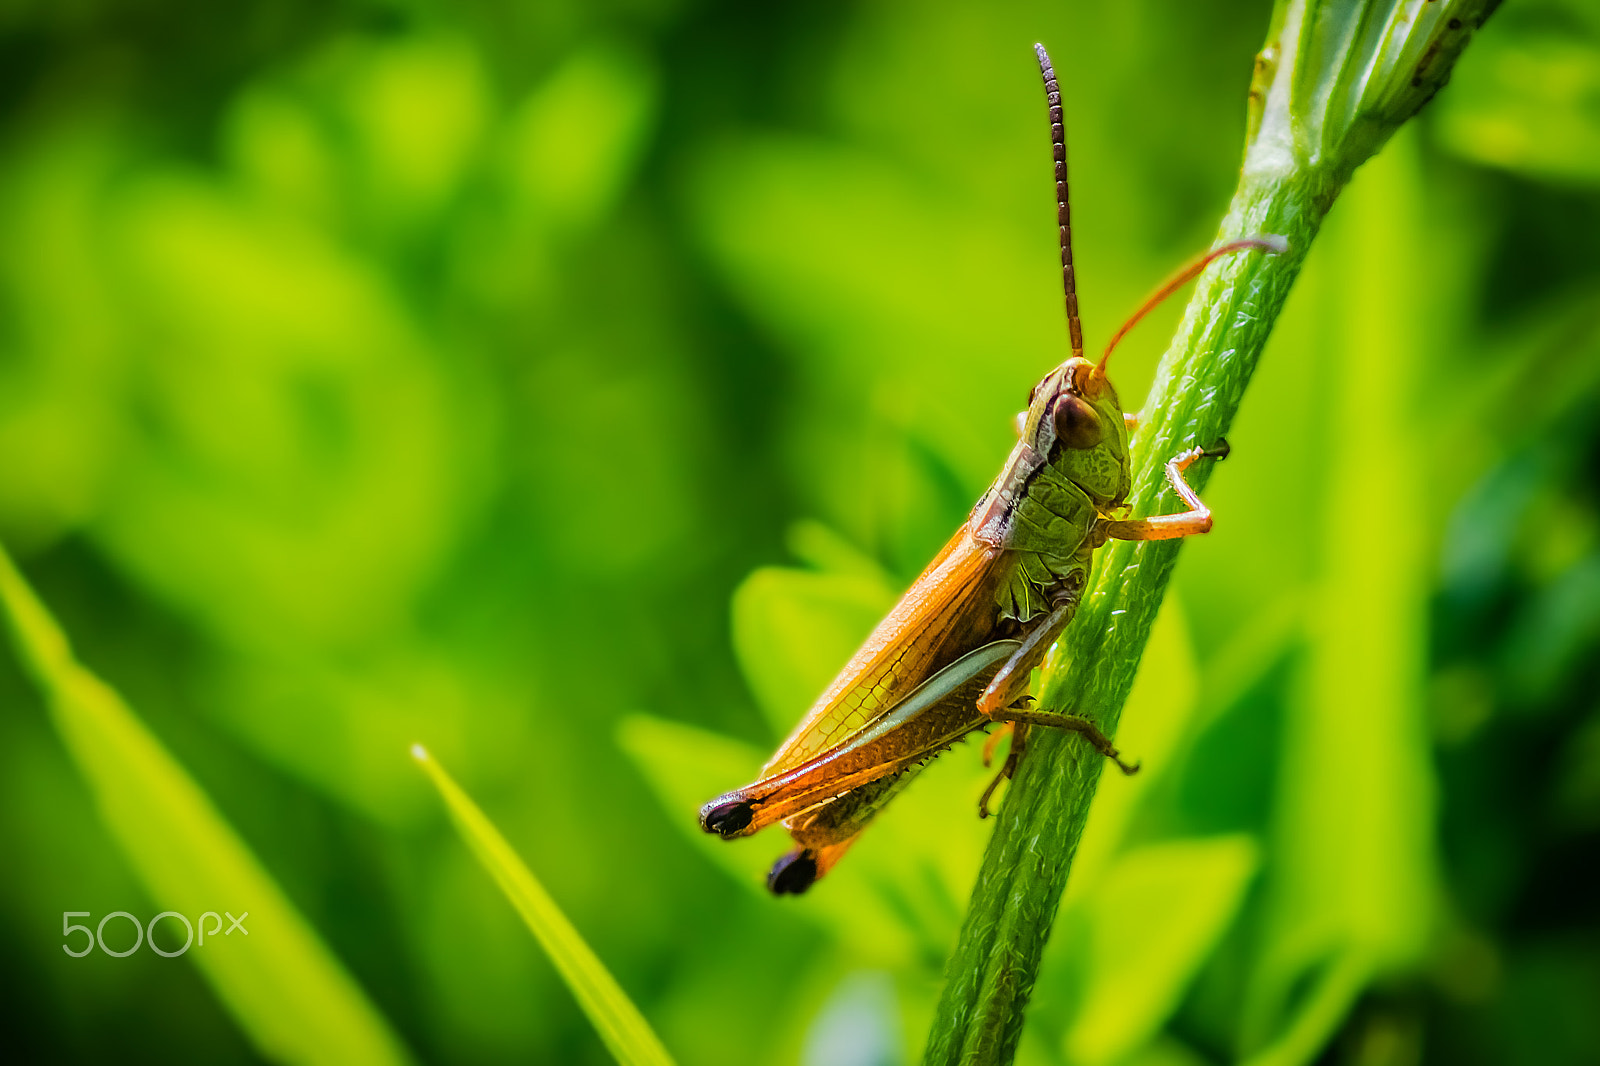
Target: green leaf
{"points": [[1529, 102], [824, 550], [1336, 985], [794, 629], [283, 986], [1354, 867], [685, 766], [897, 898], [619, 1023], [572, 143], [1153, 920]]}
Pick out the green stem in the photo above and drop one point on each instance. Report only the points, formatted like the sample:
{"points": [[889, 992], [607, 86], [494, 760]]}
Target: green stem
{"points": [[1025, 870], [1336, 79]]}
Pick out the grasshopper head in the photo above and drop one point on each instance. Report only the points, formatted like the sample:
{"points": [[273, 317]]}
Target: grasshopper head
{"points": [[1075, 419]]}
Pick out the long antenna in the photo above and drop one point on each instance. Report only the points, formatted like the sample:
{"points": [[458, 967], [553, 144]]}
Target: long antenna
{"points": [[1272, 244], [1058, 141]]}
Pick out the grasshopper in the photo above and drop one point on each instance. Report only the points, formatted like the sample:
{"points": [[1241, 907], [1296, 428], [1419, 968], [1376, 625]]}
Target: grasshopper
{"points": [[955, 655]]}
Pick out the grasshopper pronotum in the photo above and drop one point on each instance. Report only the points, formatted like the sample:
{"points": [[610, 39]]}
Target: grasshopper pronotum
{"points": [[955, 654]]}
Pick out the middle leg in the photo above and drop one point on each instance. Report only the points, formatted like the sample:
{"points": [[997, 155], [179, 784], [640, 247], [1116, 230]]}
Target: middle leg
{"points": [[1006, 700]]}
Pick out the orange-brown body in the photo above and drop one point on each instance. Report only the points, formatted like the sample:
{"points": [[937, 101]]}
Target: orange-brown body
{"points": [[955, 654]]}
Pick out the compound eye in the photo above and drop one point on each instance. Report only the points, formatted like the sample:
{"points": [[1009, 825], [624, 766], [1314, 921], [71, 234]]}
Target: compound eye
{"points": [[1077, 425]]}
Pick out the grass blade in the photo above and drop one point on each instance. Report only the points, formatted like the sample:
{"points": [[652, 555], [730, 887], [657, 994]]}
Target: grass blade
{"points": [[619, 1023], [287, 991]]}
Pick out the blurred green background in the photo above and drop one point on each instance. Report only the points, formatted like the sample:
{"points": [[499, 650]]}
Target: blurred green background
{"points": [[374, 373]]}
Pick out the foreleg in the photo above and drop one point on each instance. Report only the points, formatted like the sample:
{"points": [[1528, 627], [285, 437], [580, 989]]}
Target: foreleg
{"points": [[1197, 519]]}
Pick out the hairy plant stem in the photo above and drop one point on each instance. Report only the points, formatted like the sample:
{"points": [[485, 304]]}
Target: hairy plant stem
{"points": [[1336, 78], [1193, 401]]}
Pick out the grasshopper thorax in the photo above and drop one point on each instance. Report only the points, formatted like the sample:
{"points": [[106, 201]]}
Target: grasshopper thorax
{"points": [[1074, 428]]}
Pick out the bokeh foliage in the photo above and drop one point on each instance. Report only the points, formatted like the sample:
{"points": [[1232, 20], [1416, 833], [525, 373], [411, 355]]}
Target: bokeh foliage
{"points": [[374, 374]]}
